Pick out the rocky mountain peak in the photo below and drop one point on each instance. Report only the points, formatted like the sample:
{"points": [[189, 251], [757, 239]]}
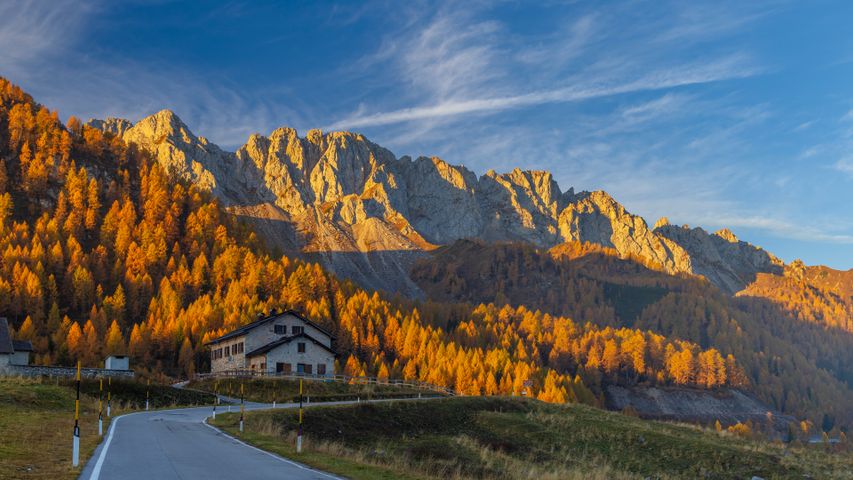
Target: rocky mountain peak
{"points": [[116, 126], [339, 192], [727, 235]]}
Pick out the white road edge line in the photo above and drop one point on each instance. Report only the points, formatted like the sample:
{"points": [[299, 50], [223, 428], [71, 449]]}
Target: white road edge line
{"points": [[277, 457], [96, 471]]}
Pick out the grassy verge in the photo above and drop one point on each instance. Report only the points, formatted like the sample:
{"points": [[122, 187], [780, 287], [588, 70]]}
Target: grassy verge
{"points": [[282, 390], [130, 394], [37, 420], [487, 438]]}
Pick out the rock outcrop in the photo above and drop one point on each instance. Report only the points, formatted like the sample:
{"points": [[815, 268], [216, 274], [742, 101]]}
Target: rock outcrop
{"points": [[367, 215], [720, 257], [695, 405]]}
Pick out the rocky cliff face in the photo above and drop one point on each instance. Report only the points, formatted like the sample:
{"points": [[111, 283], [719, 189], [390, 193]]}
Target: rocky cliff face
{"points": [[720, 257], [367, 215]]}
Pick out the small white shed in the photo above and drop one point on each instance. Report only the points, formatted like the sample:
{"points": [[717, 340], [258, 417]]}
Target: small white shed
{"points": [[117, 362]]}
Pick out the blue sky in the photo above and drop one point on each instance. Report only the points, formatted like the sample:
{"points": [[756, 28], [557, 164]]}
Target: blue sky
{"points": [[714, 114]]}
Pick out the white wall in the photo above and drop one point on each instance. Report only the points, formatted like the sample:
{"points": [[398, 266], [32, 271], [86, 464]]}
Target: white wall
{"points": [[288, 353], [264, 335], [231, 362], [117, 363], [20, 358]]}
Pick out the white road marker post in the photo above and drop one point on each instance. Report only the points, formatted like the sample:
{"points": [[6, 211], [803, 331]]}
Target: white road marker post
{"points": [[216, 394], [101, 408], [299, 433], [109, 394], [75, 447], [147, 389], [241, 407]]}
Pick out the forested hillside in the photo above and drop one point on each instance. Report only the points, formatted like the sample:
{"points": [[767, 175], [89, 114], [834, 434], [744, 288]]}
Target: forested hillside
{"points": [[791, 359], [103, 251], [812, 294]]}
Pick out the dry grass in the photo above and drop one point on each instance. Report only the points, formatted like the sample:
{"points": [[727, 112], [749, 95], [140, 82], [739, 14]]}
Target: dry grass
{"points": [[37, 421], [500, 438], [36, 425]]}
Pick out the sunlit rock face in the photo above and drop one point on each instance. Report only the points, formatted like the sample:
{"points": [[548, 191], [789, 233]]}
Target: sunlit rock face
{"points": [[351, 204]]}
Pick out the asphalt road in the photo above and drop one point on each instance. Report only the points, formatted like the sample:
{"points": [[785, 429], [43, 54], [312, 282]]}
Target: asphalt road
{"points": [[178, 444]]}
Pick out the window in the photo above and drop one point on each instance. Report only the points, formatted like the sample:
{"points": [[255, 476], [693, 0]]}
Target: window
{"points": [[297, 330], [300, 347], [284, 368], [300, 368], [264, 367], [308, 368], [321, 369], [239, 347], [281, 329], [228, 351]]}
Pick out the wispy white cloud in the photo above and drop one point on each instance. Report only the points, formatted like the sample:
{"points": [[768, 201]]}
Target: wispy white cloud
{"points": [[31, 30], [41, 44], [845, 165], [724, 69], [783, 228]]}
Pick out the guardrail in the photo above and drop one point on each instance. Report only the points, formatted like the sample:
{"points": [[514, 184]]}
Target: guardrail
{"points": [[328, 378]]}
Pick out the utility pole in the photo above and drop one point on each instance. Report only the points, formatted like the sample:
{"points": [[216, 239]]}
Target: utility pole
{"points": [[241, 407], [101, 408], [299, 434], [75, 449]]}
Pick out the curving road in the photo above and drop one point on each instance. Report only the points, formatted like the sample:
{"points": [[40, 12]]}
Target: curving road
{"points": [[179, 444]]}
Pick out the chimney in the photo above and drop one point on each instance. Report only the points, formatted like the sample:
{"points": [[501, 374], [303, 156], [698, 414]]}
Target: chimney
{"points": [[260, 314], [273, 312]]}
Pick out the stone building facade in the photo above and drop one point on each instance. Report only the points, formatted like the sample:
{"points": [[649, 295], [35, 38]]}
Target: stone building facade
{"points": [[283, 343]]}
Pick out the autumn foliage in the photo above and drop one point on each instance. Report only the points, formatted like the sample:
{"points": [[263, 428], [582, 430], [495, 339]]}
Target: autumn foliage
{"points": [[104, 252]]}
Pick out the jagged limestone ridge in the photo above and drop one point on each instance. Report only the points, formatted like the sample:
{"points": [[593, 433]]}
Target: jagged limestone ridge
{"points": [[350, 199]]}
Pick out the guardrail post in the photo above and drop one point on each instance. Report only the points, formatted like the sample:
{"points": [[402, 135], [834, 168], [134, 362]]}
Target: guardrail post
{"points": [[299, 433], [101, 409], [75, 443]]}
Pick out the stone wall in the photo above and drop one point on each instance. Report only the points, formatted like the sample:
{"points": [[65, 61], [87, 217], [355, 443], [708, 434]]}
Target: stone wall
{"points": [[70, 372], [289, 353]]}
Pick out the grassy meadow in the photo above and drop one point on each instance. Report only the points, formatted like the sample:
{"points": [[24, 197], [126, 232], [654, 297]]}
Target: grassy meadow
{"points": [[506, 438], [37, 421]]}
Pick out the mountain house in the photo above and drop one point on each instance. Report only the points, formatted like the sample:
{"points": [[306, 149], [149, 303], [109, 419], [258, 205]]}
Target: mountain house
{"points": [[13, 352], [283, 343]]}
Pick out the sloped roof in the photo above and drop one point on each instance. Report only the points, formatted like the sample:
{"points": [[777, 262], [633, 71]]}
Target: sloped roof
{"points": [[268, 347], [257, 323], [22, 345], [5, 339]]}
